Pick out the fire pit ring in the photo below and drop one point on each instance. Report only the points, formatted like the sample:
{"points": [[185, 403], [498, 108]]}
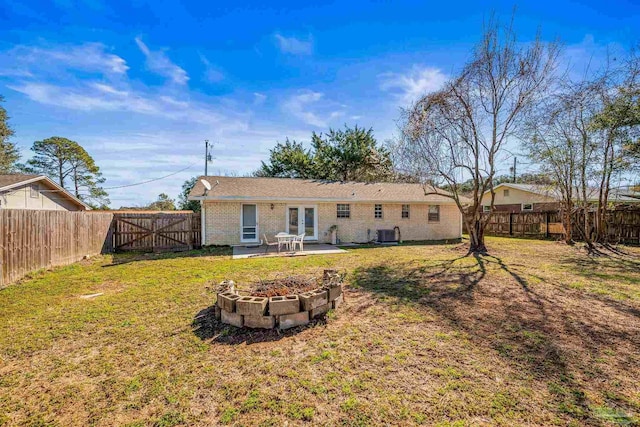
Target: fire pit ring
{"points": [[280, 311]]}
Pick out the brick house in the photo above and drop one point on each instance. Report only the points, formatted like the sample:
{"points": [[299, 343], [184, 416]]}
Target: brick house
{"points": [[516, 198], [239, 211]]}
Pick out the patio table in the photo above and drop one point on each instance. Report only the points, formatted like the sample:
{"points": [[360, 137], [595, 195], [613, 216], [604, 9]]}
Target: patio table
{"points": [[285, 238]]}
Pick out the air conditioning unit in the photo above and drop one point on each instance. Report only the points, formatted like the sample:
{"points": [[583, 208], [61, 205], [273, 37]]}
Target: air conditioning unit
{"points": [[385, 236]]}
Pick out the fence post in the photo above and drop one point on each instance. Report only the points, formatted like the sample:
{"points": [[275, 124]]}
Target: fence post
{"points": [[190, 232], [154, 218], [510, 223], [546, 232]]}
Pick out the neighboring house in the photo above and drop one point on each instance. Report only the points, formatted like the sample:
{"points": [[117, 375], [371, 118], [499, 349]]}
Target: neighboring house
{"points": [[241, 210], [37, 192], [540, 198]]}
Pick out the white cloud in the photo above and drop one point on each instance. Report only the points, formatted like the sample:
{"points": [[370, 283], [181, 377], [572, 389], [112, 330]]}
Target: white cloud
{"points": [[22, 61], [108, 89], [589, 57], [136, 157], [211, 73], [301, 105], [159, 62], [259, 98], [294, 45], [102, 97], [413, 84]]}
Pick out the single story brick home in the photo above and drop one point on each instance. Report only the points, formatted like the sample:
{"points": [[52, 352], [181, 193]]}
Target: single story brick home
{"points": [[516, 198], [36, 192], [240, 211]]}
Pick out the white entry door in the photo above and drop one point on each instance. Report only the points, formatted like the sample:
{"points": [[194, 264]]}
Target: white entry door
{"points": [[249, 224], [303, 219]]}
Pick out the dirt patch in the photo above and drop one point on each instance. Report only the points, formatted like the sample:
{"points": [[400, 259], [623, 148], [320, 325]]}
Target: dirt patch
{"points": [[284, 286]]}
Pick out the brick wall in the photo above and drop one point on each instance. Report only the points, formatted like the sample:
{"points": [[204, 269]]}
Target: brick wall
{"points": [[222, 222]]}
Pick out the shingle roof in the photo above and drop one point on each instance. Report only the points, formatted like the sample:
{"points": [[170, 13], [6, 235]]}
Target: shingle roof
{"points": [[6, 180], [249, 188], [615, 195]]}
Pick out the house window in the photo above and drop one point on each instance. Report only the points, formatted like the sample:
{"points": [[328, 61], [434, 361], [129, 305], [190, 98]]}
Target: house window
{"points": [[505, 193], [35, 191], [486, 208], [343, 211], [377, 211], [249, 223], [527, 207], [434, 213], [405, 211]]}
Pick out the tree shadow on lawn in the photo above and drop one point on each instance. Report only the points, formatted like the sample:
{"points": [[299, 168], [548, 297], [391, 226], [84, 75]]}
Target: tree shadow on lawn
{"points": [[557, 335], [618, 262], [206, 327]]}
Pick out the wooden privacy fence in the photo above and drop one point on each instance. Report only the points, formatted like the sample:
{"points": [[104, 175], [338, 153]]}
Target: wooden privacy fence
{"points": [[31, 240], [524, 224], [623, 225], [156, 232]]}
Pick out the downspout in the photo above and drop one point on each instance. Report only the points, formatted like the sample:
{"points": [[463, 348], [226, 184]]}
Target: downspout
{"points": [[202, 224]]}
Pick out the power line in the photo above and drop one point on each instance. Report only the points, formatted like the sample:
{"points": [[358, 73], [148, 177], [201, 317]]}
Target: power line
{"points": [[150, 180], [108, 188]]}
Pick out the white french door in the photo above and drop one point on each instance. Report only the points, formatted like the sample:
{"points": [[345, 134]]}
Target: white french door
{"points": [[303, 219]]}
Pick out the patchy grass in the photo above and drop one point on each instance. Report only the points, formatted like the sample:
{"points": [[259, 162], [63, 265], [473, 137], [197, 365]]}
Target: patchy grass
{"points": [[537, 333]]}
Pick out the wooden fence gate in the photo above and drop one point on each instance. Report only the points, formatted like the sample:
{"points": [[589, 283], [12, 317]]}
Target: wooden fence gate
{"points": [[156, 232]]}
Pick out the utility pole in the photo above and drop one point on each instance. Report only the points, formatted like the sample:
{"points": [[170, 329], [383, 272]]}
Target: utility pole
{"points": [[207, 155], [515, 163]]}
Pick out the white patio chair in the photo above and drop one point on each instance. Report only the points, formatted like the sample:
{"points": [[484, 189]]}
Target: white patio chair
{"points": [[268, 244], [298, 241]]}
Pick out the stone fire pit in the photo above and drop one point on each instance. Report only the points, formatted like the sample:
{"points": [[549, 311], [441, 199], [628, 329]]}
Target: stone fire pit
{"points": [[282, 311]]}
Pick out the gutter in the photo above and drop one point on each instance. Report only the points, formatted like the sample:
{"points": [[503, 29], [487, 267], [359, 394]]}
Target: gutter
{"points": [[314, 200]]}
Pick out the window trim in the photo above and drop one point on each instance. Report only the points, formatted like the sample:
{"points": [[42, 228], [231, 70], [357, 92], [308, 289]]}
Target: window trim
{"points": [[486, 208], [242, 226], [343, 211], [375, 211], [407, 211], [429, 213], [505, 192], [526, 210]]}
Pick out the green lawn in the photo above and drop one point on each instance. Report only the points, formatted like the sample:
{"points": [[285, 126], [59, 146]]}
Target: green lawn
{"points": [[538, 333]]}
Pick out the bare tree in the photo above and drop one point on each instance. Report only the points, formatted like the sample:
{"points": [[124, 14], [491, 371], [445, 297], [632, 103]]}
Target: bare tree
{"points": [[459, 132], [580, 135], [616, 125], [558, 136]]}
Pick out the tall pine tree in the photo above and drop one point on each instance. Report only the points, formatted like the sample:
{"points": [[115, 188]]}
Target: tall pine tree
{"points": [[9, 153], [71, 166]]}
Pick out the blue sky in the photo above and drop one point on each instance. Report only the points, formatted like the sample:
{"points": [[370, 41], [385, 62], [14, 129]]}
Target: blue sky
{"points": [[141, 85]]}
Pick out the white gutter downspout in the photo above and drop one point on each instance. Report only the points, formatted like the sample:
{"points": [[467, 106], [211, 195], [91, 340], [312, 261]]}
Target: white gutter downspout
{"points": [[202, 225]]}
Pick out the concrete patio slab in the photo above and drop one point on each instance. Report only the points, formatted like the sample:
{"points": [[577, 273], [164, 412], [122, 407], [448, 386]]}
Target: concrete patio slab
{"points": [[241, 252]]}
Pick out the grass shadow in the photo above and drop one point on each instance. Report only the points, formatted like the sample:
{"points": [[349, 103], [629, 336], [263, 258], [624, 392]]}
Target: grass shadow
{"points": [[496, 305]]}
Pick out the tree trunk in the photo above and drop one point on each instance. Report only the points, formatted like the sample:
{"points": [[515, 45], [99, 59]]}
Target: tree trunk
{"points": [[75, 182], [60, 173], [568, 226], [476, 237]]}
